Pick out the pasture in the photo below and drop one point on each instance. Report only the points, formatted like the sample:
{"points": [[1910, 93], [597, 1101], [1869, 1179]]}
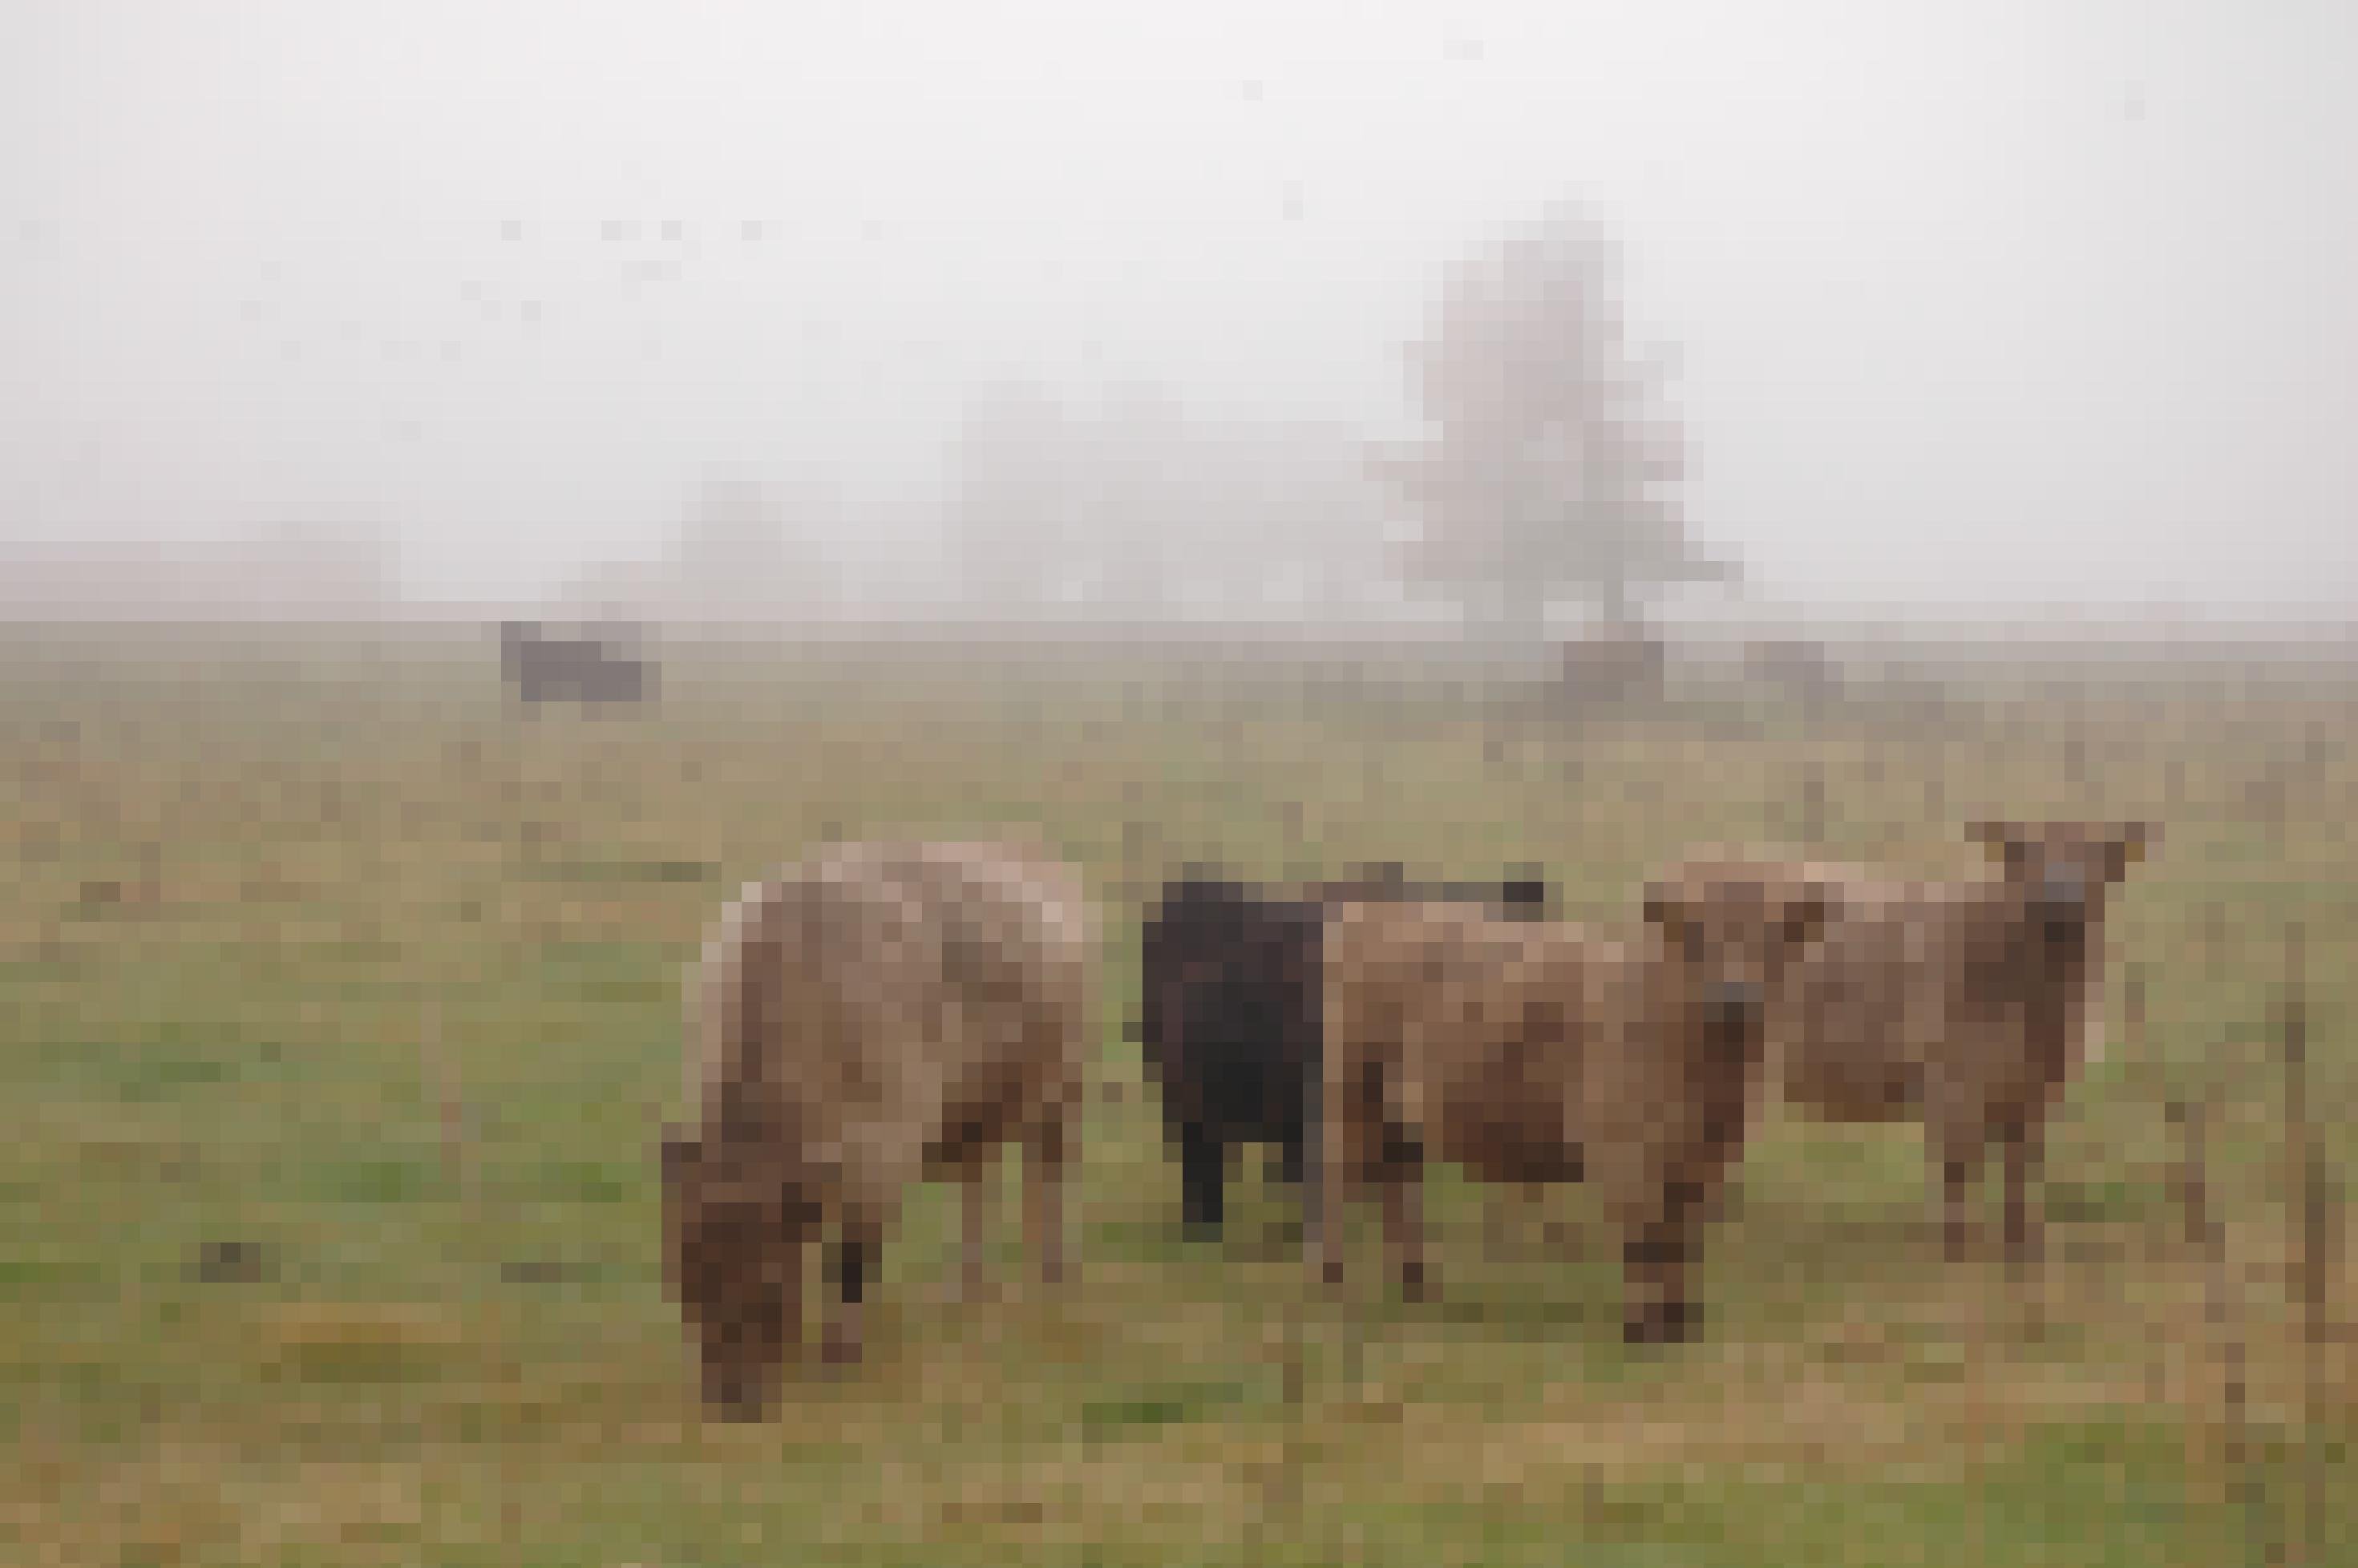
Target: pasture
{"points": [[339, 1010]]}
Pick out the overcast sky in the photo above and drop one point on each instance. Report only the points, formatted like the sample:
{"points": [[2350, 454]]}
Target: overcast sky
{"points": [[2018, 301]]}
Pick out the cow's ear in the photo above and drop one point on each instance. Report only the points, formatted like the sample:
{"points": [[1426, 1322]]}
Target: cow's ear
{"points": [[1667, 911], [1996, 837], [1809, 914]]}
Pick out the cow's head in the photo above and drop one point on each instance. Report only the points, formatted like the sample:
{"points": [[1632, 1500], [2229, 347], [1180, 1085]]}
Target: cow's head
{"points": [[1731, 934], [732, 1261], [2063, 871]]}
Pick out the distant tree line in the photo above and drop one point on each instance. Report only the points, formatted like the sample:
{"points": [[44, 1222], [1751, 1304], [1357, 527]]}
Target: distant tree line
{"points": [[1138, 504], [1551, 473]]}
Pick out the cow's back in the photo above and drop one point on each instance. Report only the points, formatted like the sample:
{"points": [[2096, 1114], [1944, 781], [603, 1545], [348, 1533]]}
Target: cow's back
{"points": [[1471, 1022], [876, 995]]}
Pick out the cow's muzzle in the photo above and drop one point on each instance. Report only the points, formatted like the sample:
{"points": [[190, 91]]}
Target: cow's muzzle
{"points": [[1733, 1005], [2061, 904]]}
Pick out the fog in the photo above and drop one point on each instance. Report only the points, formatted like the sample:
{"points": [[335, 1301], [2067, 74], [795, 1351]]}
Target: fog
{"points": [[2005, 304]]}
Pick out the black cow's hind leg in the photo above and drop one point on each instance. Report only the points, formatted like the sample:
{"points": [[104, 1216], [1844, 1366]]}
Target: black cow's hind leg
{"points": [[1203, 1178]]}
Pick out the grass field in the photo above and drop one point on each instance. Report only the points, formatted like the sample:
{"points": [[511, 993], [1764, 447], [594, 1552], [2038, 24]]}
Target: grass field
{"points": [[277, 911]]}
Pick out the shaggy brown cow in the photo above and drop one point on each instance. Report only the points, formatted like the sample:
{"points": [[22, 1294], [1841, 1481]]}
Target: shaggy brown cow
{"points": [[1538, 1052], [879, 1014], [1965, 1006]]}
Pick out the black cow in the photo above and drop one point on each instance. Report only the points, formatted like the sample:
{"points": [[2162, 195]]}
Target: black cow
{"points": [[1228, 1020], [543, 667]]}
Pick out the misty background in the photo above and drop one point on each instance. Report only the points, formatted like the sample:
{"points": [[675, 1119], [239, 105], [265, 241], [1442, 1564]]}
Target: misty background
{"points": [[2005, 306]]}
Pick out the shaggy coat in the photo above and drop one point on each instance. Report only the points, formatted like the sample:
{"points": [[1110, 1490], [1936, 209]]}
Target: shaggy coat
{"points": [[1228, 1013], [1963, 1006], [1535, 1052], [879, 1015]]}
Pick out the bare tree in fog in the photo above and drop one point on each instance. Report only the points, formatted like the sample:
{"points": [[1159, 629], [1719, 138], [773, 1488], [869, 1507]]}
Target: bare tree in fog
{"points": [[1550, 471]]}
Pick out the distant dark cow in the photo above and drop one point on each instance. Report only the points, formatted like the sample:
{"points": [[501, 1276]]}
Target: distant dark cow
{"points": [[1616, 666], [1797, 668], [591, 669], [1229, 1012]]}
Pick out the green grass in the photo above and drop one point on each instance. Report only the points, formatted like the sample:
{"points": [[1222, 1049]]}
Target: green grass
{"points": [[476, 1363]]}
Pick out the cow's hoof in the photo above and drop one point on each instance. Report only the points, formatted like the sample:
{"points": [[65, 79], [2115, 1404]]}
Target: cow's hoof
{"points": [[1415, 1284], [737, 1402], [1666, 1322], [839, 1348]]}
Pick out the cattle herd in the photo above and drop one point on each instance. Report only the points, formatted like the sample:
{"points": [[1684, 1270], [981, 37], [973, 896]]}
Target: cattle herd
{"points": [[888, 1012]]}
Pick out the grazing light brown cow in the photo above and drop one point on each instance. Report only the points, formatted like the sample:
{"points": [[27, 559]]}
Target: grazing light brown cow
{"points": [[1961, 1005], [1534, 1052], [879, 1014]]}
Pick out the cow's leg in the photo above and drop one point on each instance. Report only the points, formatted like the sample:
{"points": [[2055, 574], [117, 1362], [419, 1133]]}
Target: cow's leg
{"points": [[2021, 1155], [1657, 1309], [1287, 1166], [1047, 1156], [974, 1218], [1656, 1259], [1334, 1123], [1309, 1151], [852, 1265], [1957, 1160], [1403, 1211], [1203, 1178]]}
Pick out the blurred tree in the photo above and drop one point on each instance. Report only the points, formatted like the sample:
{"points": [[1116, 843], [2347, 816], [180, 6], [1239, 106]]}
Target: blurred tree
{"points": [[1550, 471], [748, 548], [1008, 500], [1144, 512]]}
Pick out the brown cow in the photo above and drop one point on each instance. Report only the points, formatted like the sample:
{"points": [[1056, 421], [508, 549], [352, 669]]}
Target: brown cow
{"points": [[881, 1014], [1965, 1006], [1533, 1052]]}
